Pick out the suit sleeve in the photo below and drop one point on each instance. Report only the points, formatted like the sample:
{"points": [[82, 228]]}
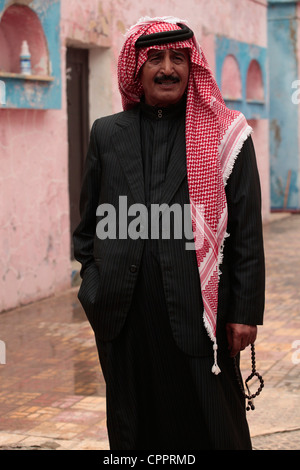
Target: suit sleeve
{"points": [[83, 236], [245, 249]]}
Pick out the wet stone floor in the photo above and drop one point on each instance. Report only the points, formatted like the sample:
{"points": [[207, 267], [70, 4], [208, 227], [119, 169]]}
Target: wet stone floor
{"points": [[51, 385], [52, 392]]}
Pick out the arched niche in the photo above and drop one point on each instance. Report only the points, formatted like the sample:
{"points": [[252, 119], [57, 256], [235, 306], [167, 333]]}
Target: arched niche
{"points": [[231, 83], [19, 23], [255, 85]]}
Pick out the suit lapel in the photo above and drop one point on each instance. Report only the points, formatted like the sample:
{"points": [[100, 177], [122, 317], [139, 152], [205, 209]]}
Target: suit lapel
{"points": [[127, 143]]}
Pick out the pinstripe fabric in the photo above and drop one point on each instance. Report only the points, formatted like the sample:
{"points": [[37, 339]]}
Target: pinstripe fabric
{"points": [[158, 397], [244, 252], [114, 167], [177, 360], [158, 132]]}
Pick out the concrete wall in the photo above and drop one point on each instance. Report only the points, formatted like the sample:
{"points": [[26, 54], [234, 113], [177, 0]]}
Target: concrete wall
{"points": [[34, 200]]}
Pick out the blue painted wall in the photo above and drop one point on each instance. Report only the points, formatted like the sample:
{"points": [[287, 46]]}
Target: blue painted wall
{"points": [[284, 125], [244, 53], [42, 95]]}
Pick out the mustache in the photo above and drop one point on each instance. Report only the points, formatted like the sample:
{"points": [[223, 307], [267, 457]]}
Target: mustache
{"points": [[166, 78]]}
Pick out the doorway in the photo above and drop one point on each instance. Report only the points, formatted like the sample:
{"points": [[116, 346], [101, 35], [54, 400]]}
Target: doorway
{"points": [[78, 127]]}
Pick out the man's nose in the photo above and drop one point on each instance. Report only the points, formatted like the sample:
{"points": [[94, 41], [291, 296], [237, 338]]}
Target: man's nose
{"points": [[167, 66]]}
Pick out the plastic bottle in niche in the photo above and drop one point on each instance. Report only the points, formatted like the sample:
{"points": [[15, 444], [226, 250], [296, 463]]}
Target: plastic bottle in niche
{"points": [[25, 59]]}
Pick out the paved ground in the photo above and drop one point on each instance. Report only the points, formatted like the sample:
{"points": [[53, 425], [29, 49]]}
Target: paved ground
{"points": [[52, 394]]}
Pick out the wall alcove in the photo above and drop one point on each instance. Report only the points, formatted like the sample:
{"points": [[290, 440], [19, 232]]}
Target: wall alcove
{"points": [[19, 23], [231, 83], [38, 23], [255, 85]]}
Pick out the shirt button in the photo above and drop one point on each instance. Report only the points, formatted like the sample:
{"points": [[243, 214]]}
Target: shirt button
{"points": [[133, 268], [160, 113]]}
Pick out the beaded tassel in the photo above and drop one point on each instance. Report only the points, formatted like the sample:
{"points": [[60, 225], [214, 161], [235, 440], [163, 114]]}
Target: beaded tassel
{"points": [[215, 368]]}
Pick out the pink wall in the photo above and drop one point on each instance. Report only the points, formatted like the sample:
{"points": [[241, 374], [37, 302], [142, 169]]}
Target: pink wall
{"points": [[34, 218], [34, 204]]}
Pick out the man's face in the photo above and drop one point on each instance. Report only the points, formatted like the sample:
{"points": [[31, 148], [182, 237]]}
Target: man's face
{"points": [[165, 75]]}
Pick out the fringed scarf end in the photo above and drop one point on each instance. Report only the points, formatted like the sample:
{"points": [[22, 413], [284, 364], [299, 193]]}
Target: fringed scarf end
{"points": [[215, 368]]}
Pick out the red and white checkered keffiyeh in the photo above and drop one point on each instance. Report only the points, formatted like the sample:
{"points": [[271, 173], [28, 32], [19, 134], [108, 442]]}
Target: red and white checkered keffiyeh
{"points": [[214, 137]]}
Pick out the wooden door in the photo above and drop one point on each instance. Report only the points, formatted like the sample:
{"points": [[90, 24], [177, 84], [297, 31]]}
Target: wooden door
{"points": [[78, 127]]}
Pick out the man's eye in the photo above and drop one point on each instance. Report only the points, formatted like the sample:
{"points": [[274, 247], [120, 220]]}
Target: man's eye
{"points": [[154, 59], [178, 58]]}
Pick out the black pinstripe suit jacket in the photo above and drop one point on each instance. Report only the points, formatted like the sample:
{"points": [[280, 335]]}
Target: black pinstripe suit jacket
{"points": [[110, 267]]}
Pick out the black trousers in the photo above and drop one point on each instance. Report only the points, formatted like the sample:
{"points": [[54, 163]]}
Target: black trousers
{"points": [[158, 398]]}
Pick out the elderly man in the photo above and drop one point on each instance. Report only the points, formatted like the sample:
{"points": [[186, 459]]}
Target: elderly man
{"points": [[169, 320]]}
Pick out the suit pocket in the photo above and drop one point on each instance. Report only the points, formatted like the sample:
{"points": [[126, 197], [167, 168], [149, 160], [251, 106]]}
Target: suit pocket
{"points": [[88, 291]]}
